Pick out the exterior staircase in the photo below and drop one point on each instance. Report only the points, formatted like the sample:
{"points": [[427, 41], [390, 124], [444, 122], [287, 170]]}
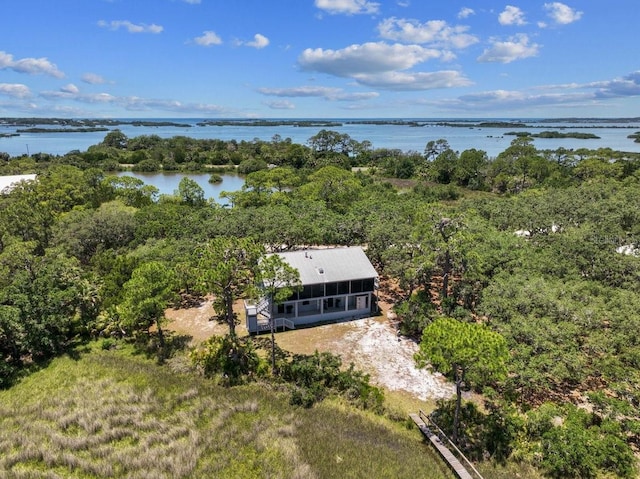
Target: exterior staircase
{"points": [[263, 308]]}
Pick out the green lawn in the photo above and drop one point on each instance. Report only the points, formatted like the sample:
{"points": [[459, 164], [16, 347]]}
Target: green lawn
{"points": [[113, 414]]}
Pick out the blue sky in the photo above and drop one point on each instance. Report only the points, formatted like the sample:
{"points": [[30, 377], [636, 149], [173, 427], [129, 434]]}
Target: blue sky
{"points": [[319, 58]]}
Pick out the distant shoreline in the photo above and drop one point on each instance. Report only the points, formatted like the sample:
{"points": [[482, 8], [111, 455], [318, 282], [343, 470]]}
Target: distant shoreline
{"points": [[77, 125], [61, 130]]}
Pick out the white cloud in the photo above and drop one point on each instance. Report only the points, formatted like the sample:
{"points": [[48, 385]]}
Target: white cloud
{"points": [[516, 48], [280, 105], [349, 7], [99, 98], [93, 79], [619, 87], [328, 93], [141, 104], [207, 39], [192, 2], [410, 81], [30, 66], [511, 16], [380, 65], [503, 100], [133, 103], [561, 13], [301, 91], [436, 32], [16, 90], [568, 94], [131, 27], [466, 12], [259, 41], [357, 96], [366, 58], [70, 88]]}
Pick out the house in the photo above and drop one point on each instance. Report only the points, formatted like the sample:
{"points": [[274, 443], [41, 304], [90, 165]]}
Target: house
{"points": [[7, 183], [337, 284]]}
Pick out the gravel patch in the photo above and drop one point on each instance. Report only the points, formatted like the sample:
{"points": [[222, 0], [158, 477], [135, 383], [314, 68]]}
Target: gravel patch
{"points": [[388, 358]]}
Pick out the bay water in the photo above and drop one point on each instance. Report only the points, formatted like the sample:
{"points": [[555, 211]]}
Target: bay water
{"points": [[167, 183], [381, 135]]}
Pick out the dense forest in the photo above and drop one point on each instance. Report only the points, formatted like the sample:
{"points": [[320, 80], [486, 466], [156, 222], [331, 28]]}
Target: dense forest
{"points": [[519, 274]]}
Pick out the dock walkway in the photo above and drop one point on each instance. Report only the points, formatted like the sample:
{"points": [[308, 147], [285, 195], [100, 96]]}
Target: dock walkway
{"points": [[453, 462]]}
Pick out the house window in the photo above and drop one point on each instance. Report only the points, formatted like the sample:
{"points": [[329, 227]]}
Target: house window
{"points": [[332, 289], [292, 297], [368, 284], [362, 285], [317, 290], [305, 293], [343, 287], [312, 291]]}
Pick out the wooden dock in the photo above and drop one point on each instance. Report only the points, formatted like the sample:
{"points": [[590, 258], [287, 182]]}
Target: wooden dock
{"points": [[453, 462]]}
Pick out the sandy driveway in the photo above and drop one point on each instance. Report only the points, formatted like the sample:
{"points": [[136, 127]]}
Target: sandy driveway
{"points": [[371, 344], [374, 347]]}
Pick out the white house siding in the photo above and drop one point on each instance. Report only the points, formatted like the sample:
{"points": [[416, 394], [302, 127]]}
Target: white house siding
{"points": [[338, 284]]}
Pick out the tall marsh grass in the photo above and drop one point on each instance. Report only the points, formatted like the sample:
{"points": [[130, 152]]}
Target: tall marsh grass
{"points": [[111, 414]]}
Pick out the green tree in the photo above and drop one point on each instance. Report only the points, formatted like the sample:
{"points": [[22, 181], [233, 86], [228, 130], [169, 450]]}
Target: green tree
{"points": [[151, 289], [514, 169], [11, 342], [336, 187], [30, 210], [115, 139], [278, 281], [470, 352], [470, 170], [442, 169], [82, 233], [574, 443], [42, 299], [328, 141], [227, 268], [434, 148], [190, 192], [132, 191], [442, 240], [282, 178]]}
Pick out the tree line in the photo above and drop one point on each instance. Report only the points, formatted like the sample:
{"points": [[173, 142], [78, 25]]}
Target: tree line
{"points": [[525, 251]]}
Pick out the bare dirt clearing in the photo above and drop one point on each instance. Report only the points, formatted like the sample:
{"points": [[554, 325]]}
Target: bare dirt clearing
{"points": [[195, 322], [374, 347], [371, 344]]}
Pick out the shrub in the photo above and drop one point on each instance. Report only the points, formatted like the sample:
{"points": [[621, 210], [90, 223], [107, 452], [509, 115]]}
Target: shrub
{"points": [[437, 193], [415, 314], [234, 358], [147, 165], [584, 445], [250, 166], [314, 377]]}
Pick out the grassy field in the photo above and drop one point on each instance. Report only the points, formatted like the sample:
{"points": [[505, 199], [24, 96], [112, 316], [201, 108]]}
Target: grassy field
{"points": [[113, 414]]}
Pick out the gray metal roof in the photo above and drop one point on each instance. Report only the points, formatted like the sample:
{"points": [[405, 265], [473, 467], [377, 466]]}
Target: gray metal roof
{"points": [[330, 265]]}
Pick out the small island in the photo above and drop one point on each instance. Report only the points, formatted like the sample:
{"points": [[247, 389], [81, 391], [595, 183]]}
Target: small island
{"points": [[271, 123], [61, 130], [555, 134], [635, 137]]}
